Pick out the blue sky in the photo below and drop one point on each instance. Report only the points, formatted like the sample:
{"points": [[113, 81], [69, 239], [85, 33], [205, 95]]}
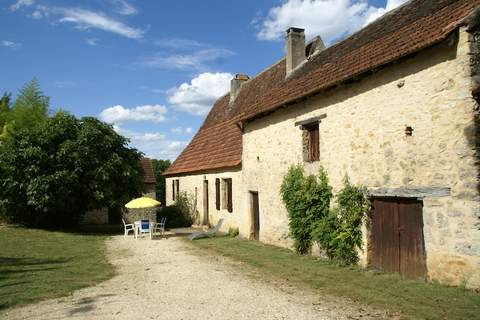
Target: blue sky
{"points": [[154, 68]]}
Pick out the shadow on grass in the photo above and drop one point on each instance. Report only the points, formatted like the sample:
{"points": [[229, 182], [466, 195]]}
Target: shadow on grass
{"points": [[22, 262]]}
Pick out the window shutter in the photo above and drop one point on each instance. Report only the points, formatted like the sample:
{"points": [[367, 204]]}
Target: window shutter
{"points": [[217, 194], [314, 143], [178, 187], [173, 190], [229, 195]]}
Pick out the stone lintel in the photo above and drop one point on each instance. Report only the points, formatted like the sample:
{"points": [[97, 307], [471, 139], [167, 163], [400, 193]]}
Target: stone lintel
{"points": [[413, 192], [310, 121]]}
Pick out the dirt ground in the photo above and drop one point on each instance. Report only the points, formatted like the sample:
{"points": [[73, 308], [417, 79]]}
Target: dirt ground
{"points": [[170, 279]]}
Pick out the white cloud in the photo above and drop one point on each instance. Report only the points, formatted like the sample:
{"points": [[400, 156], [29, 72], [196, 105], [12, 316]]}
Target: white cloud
{"points": [[331, 19], [177, 130], [86, 19], [140, 138], [170, 151], [390, 5], [118, 114], [9, 44], [198, 96], [124, 8], [179, 43], [41, 12], [180, 130], [154, 144], [19, 4], [91, 41], [197, 60]]}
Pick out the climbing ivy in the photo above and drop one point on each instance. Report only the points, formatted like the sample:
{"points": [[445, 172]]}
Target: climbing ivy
{"points": [[339, 234], [337, 231], [307, 199]]}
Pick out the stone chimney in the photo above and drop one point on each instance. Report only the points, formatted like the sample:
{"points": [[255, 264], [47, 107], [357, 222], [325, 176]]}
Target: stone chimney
{"points": [[235, 85], [295, 48]]}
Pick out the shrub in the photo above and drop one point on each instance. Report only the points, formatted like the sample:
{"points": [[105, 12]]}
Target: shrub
{"points": [[307, 200], [233, 232], [180, 214], [339, 233]]}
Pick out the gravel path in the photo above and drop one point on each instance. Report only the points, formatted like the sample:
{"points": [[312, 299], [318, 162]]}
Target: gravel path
{"points": [[169, 279]]}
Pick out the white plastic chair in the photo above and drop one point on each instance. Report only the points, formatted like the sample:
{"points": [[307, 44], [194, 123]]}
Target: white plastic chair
{"points": [[207, 234], [145, 226], [160, 226], [128, 227]]}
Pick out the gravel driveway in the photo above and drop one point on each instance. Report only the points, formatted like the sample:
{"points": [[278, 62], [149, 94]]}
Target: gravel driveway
{"points": [[169, 279]]}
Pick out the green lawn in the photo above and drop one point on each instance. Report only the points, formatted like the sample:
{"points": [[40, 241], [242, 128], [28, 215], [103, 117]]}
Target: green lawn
{"points": [[38, 264], [411, 299]]}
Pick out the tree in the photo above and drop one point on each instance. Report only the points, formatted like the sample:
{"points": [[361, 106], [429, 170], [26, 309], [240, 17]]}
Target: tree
{"points": [[5, 105], [53, 173], [29, 109], [159, 167]]}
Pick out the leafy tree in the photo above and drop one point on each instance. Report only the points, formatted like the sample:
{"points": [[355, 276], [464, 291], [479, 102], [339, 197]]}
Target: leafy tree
{"points": [[5, 105], [29, 109], [159, 167], [53, 173]]}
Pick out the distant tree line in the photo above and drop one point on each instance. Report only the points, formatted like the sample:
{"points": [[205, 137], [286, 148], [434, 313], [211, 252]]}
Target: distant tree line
{"points": [[54, 167]]}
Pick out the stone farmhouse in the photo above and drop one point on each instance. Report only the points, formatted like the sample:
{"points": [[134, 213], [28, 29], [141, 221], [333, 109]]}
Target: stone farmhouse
{"points": [[394, 107]]}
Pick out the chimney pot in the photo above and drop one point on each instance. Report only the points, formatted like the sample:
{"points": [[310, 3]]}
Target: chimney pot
{"points": [[295, 48], [235, 85]]}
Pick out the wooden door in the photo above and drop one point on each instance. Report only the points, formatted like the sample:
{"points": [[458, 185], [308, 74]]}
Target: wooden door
{"points": [[397, 237], [412, 246], [385, 237], [205, 203], [255, 215]]}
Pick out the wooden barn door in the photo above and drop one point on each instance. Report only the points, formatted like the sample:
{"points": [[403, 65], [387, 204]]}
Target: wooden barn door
{"points": [[255, 215], [397, 237]]}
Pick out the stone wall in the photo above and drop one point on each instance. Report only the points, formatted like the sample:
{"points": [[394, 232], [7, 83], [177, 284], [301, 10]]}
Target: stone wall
{"points": [[132, 215], [362, 135], [193, 185], [98, 216]]}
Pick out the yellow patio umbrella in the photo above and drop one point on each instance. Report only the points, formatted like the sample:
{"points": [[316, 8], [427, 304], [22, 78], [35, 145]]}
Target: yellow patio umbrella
{"points": [[143, 202]]}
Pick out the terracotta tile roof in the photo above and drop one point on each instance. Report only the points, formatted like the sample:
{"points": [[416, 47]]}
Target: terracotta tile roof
{"points": [[147, 167], [410, 28]]}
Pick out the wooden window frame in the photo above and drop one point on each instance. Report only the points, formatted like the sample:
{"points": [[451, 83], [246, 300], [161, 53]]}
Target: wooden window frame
{"points": [[311, 132], [226, 195], [217, 193], [175, 189], [229, 188], [311, 154]]}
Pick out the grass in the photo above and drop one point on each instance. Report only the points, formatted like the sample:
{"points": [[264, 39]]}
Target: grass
{"points": [[410, 299], [38, 264]]}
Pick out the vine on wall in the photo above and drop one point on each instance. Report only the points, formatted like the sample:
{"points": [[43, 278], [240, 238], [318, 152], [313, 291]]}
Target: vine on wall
{"points": [[307, 199], [340, 233], [338, 230]]}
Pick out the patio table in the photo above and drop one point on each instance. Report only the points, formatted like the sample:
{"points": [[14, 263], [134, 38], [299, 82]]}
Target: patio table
{"points": [[136, 227]]}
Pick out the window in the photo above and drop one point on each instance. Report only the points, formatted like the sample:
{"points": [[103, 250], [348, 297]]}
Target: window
{"points": [[227, 194], [311, 142], [175, 189], [223, 194], [217, 194]]}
